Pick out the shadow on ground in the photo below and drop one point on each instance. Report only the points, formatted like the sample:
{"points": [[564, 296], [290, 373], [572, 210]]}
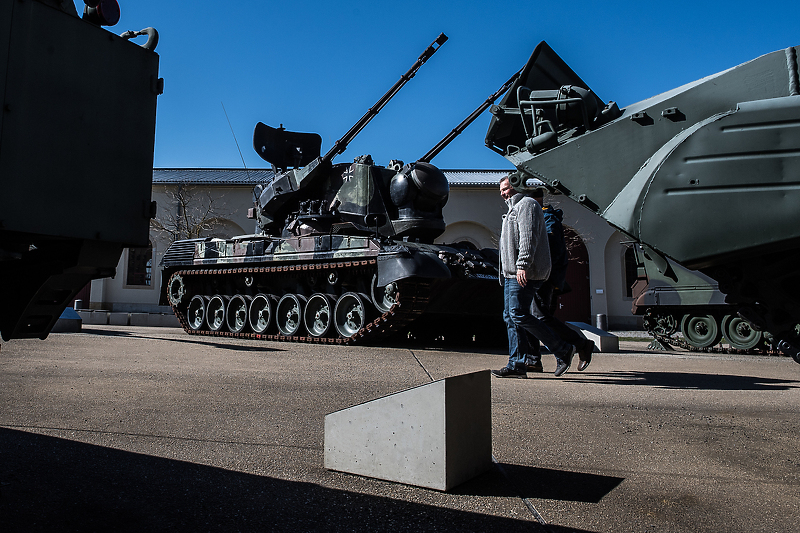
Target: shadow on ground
{"points": [[53, 484], [511, 480], [201, 340], [686, 380]]}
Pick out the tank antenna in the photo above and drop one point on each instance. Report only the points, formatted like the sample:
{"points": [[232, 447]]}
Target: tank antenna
{"points": [[234, 135]]}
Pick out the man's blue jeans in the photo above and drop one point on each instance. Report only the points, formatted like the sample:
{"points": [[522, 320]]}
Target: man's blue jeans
{"points": [[517, 316]]}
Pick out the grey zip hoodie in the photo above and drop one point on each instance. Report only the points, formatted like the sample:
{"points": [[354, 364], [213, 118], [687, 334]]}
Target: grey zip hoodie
{"points": [[523, 240]]}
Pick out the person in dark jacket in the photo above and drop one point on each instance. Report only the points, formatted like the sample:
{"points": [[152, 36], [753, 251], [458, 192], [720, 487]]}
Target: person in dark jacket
{"points": [[546, 298]]}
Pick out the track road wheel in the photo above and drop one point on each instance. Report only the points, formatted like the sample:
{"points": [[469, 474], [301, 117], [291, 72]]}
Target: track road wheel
{"points": [[260, 312], [318, 315], [739, 333], [350, 314], [215, 312], [236, 314], [383, 297], [289, 314], [196, 313], [700, 331]]}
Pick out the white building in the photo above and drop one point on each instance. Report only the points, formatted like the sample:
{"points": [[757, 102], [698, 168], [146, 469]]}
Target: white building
{"points": [[597, 274]]}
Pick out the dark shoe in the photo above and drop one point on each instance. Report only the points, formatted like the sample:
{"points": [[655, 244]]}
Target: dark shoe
{"points": [[564, 364], [536, 367], [585, 354], [506, 372]]}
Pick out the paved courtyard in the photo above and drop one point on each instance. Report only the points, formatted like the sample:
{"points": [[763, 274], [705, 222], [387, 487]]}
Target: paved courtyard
{"points": [[150, 429]]}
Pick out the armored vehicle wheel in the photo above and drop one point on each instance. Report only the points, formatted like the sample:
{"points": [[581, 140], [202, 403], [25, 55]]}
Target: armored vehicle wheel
{"points": [[701, 331], [383, 297], [176, 290], [739, 333], [260, 313], [350, 314], [319, 314], [196, 314], [289, 314], [236, 314], [215, 312]]}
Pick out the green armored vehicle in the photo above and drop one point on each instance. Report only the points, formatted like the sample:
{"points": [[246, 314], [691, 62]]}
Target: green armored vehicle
{"points": [[673, 299], [343, 253], [705, 174], [77, 130]]}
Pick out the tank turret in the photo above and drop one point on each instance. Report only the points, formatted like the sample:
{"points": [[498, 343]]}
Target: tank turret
{"points": [[704, 174], [316, 195]]}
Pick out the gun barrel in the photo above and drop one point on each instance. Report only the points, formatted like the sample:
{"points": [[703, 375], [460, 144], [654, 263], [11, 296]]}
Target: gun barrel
{"points": [[341, 145], [441, 145]]}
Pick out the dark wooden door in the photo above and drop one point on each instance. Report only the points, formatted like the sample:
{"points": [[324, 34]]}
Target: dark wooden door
{"points": [[576, 305]]}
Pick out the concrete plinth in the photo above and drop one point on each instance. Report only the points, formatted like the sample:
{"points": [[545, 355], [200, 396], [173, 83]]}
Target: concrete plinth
{"points": [[68, 322], [119, 319], [93, 317], [603, 340], [162, 320], [438, 435]]}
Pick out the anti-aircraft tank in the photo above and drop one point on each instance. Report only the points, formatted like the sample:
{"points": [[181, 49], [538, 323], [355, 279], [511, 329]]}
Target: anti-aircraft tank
{"points": [[343, 252], [77, 130], [705, 174]]}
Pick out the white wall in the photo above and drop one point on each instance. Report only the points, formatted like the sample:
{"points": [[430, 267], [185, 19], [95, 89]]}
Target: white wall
{"points": [[115, 295]]}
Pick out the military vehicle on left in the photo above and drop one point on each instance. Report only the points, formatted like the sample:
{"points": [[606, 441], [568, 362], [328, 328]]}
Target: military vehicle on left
{"points": [[77, 130]]}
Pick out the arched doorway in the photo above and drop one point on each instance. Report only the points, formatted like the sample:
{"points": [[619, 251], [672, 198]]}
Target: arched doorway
{"points": [[576, 305]]}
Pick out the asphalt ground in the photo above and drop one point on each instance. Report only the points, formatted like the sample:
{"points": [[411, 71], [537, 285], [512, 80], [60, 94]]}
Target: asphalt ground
{"points": [[150, 429]]}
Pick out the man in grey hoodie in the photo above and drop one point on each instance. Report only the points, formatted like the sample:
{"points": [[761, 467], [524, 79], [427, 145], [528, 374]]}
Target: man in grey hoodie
{"points": [[524, 266]]}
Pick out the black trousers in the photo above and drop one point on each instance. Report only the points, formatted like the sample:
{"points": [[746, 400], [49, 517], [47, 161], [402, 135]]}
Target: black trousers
{"points": [[545, 303]]}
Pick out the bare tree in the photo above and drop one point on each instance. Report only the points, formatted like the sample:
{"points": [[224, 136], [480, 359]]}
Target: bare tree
{"points": [[192, 212]]}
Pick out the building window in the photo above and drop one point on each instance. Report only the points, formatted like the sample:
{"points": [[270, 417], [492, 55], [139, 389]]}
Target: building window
{"points": [[630, 271], [140, 266]]}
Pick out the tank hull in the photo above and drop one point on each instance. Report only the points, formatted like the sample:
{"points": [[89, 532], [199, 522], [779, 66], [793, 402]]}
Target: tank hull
{"points": [[685, 308], [339, 289]]}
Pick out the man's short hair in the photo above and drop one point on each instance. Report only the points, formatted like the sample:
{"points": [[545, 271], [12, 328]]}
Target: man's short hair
{"points": [[504, 178]]}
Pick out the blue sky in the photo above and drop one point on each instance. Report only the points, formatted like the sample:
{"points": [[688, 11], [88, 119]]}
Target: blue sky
{"points": [[318, 66]]}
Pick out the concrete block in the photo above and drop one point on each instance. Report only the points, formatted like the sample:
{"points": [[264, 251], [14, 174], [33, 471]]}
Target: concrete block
{"points": [[68, 322], [162, 320], [139, 319], [438, 435], [94, 317], [604, 341], [118, 319]]}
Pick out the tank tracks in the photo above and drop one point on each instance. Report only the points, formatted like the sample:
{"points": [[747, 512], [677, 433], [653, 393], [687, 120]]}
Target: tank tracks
{"points": [[664, 330], [409, 300]]}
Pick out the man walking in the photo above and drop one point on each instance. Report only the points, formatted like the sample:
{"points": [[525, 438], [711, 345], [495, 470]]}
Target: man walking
{"points": [[524, 266], [546, 298]]}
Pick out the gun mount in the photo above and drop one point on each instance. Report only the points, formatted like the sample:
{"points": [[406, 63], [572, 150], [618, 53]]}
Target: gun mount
{"points": [[704, 174], [69, 207], [342, 253]]}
